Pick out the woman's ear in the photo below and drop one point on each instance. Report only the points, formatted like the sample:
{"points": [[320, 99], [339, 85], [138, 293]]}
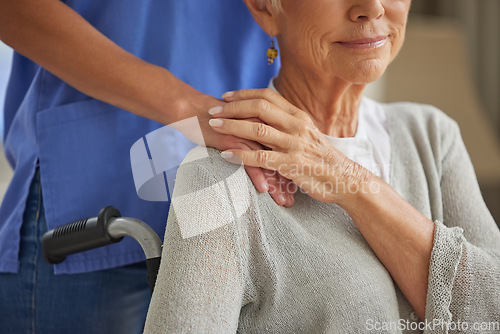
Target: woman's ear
{"points": [[265, 15]]}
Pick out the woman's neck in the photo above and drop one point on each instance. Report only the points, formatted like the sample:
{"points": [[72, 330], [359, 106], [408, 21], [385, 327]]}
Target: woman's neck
{"points": [[332, 104]]}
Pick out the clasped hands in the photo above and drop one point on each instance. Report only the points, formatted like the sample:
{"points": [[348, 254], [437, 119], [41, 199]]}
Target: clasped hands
{"points": [[292, 146]]}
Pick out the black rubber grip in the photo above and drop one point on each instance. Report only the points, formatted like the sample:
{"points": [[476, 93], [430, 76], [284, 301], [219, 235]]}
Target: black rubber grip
{"points": [[79, 236]]}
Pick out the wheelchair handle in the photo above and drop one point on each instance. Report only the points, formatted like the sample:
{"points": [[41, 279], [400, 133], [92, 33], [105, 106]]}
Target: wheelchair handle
{"points": [[105, 229]]}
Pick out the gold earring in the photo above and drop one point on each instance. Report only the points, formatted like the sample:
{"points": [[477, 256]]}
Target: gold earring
{"points": [[272, 53]]}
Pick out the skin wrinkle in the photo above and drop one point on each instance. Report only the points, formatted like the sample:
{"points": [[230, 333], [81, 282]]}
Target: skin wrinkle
{"points": [[326, 82], [339, 123], [328, 86], [310, 49]]}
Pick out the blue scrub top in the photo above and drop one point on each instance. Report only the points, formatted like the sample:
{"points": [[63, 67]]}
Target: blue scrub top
{"points": [[83, 145]]}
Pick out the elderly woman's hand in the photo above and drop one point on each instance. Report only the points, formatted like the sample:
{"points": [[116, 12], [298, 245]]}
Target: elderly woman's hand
{"points": [[400, 236], [299, 151]]}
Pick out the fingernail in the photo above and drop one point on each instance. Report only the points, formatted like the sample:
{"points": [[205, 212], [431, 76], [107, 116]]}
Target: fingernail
{"points": [[215, 110], [291, 200], [264, 187], [281, 199], [227, 94], [227, 155], [215, 122]]}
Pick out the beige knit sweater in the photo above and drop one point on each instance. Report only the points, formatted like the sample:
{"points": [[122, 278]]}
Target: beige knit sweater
{"points": [[234, 261]]}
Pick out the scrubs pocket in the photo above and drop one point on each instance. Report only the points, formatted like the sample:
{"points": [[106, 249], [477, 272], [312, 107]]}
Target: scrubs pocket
{"points": [[84, 152]]}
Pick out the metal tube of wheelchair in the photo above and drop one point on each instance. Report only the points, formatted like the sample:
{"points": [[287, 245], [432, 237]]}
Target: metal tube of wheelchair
{"points": [[146, 237], [105, 229]]}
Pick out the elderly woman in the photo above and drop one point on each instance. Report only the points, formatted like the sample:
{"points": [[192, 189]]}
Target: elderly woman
{"points": [[388, 231]]}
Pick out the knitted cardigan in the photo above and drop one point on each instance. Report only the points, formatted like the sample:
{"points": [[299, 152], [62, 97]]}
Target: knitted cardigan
{"points": [[234, 261]]}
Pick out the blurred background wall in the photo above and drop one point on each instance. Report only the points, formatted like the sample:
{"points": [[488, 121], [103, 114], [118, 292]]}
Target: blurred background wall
{"points": [[451, 59], [480, 24]]}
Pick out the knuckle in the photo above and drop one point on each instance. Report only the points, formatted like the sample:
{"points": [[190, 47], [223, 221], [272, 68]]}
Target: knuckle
{"points": [[269, 93], [303, 115], [287, 141], [306, 130], [262, 157], [260, 129], [229, 107], [262, 106]]}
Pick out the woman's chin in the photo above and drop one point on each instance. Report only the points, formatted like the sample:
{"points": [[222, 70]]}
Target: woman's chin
{"points": [[366, 72]]}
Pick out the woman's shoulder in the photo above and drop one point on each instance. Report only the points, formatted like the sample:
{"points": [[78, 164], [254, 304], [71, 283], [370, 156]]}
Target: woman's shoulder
{"points": [[215, 190], [418, 115], [420, 123], [206, 158], [204, 161], [204, 167], [202, 153], [422, 137]]}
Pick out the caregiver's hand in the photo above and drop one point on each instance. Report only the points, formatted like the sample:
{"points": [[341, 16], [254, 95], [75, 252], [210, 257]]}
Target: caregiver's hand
{"points": [[299, 152], [124, 80], [264, 180]]}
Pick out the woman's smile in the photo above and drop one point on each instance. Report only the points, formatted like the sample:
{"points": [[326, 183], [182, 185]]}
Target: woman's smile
{"points": [[367, 43]]}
